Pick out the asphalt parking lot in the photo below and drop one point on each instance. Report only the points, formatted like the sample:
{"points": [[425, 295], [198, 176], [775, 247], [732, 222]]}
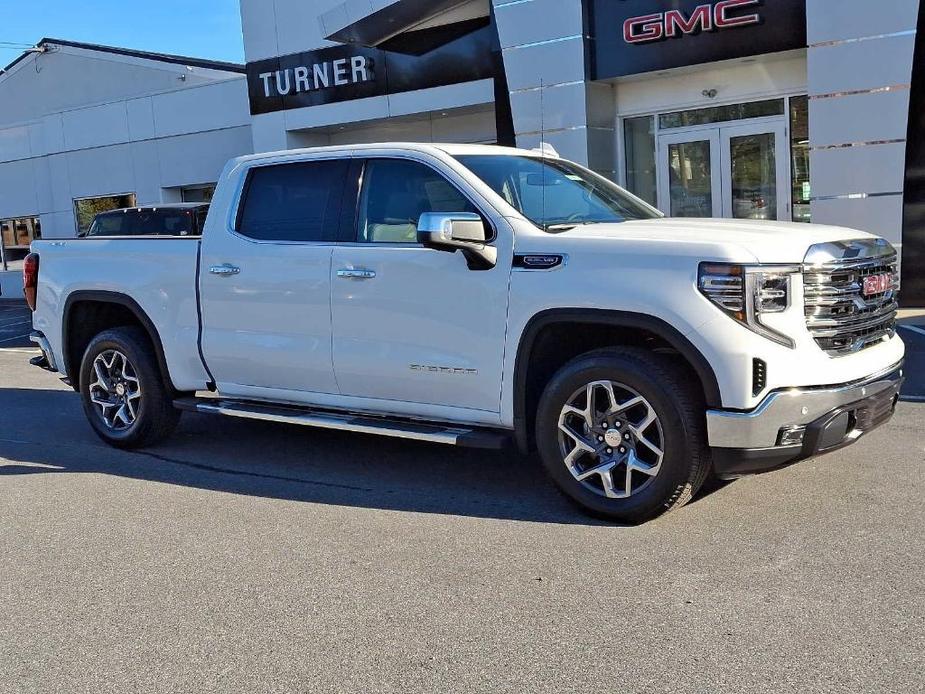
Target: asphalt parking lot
{"points": [[247, 556]]}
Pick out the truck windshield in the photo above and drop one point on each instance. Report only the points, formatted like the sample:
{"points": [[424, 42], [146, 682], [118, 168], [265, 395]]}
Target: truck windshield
{"points": [[554, 194]]}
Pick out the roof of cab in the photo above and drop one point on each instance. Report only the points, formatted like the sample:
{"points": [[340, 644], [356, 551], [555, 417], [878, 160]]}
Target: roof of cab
{"points": [[423, 147]]}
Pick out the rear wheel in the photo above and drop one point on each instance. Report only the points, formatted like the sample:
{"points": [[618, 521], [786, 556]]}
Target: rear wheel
{"points": [[621, 432], [124, 396]]}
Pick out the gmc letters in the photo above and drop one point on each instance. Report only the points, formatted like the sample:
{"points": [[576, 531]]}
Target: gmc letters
{"points": [[673, 23]]}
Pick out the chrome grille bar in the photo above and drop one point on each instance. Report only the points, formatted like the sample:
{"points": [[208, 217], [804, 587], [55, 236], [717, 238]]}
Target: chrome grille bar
{"points": [[838, 315]]}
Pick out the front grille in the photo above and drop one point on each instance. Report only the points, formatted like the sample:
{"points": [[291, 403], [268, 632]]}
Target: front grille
{"points": [[838, 315]]}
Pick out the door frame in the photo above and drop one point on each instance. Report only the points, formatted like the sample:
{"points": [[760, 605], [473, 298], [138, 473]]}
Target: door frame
{"points": [[663, 168], [779, 129]]}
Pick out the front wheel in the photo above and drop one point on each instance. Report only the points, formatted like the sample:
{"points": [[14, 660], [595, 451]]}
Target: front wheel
{"points": [[621, 432], [124, 396]]}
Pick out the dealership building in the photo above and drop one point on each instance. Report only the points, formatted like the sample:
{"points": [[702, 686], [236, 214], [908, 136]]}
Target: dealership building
{"points": [[757, 109]]}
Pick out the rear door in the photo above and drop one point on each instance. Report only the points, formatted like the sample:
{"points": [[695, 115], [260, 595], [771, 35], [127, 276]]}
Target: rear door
{"points": [[265, 282], [414, 324]]}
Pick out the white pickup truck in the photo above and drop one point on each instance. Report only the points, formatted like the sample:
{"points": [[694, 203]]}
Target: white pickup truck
{"points": [[476, 295]]}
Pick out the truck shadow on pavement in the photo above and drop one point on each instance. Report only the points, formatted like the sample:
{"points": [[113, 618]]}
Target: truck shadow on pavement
{"points": [[276, 461]]}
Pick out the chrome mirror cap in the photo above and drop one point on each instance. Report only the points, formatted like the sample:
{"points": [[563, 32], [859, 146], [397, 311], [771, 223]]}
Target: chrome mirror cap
{"points": [[458, 231]]}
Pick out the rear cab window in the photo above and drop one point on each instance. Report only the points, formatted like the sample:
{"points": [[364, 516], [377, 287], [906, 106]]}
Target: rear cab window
{"points": [[297, 202]]}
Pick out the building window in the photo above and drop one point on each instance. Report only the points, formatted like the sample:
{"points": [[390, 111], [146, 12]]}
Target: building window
{"points": [[198, 193], [639, 138], [86, 209], [16, 235], [799, 157], [721, 114]]}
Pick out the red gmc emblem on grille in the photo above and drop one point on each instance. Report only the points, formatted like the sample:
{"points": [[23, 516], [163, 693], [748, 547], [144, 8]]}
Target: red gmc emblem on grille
{"points": [[674, 23], [878, 284]]}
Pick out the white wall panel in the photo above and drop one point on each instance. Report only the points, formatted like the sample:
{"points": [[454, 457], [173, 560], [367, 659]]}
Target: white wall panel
{"points": [[848, 170], [53, 133], [182, 111], [96, 126], [298, 25], [467, 128], [59, 225], [344, 112], [258, 21], [140, 114], [830, 20], [858, 118], [18, 189], [60, 183], [146, 172], [877, 215], [200, 157], [437, 98], [559, 106], [15, 143], [846, 67], [733, 83], [538, 20], [101, 171], [553, 63]]}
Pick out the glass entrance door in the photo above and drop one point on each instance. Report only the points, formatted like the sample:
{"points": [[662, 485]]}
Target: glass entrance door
{"points": [[690, 184], [734, 171], [755, 172]]}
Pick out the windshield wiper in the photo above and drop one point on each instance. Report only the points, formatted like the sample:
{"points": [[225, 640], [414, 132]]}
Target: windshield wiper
{"points": [[568, 226]]}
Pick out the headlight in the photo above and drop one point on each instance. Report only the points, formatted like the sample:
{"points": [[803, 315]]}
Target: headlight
{"points": [[746, 293]]}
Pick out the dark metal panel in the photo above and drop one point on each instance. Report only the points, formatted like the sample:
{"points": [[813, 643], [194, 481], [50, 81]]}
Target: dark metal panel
{"points": [[397, 17], [913, 251], [629, 37]]}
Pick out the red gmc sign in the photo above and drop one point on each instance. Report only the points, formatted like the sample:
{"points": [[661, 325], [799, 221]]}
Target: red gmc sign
{"points": [[675, 23]]}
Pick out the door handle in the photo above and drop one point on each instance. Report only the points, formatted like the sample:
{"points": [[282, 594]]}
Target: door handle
{"points": [[357, 274], [225, 270]]}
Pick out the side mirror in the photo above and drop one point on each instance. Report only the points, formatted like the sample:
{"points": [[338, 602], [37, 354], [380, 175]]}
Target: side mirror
{"points": [[458, 231]]}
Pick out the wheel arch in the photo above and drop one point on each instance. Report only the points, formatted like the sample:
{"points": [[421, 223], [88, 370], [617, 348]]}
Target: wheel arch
{"points": [[100, 298], [525, 389]]}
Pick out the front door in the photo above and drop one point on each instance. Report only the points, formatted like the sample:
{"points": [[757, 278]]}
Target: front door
{"points": [[413, 324], [738, 171]]}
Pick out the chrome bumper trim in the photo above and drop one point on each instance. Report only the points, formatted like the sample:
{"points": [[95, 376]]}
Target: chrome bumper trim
{"points": [[760, 427], [43, 344]]}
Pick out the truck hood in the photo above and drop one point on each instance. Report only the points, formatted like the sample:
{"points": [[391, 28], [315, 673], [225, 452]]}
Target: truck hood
{"points": [[767, 242]]}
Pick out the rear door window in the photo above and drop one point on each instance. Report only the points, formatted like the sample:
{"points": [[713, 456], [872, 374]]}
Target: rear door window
{"points": [[294, 202]]}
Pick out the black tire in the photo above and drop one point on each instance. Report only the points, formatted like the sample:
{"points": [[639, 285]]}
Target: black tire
{"points": [[155, 416], [679, 405]]}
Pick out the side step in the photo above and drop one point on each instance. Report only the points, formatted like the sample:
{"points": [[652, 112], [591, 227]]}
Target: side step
{"points": [[469, 437]]}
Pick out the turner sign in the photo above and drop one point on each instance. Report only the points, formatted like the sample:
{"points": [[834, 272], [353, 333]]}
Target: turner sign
{"points": [[324, 75], [676, 23]]}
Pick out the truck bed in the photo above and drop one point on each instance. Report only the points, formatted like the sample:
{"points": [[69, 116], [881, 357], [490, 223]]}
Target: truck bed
{"points": [[159, 274]]}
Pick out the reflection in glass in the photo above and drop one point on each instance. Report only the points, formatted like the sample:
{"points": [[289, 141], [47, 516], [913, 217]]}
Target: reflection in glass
{"points": [[721, 114], [799, 157], [754, 177], [639, 138], [690, 179], [86, 209]]}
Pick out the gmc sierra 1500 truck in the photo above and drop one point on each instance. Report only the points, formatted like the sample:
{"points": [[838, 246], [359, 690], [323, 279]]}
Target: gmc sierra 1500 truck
{"points": [[474, 295]]}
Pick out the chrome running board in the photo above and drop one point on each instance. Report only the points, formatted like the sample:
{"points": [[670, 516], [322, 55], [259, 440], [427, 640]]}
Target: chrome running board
{"points": [[449, 435]]}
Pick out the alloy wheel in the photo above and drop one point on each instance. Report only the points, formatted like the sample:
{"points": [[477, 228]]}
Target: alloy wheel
{"points": [[116, 392], [611, 439]]}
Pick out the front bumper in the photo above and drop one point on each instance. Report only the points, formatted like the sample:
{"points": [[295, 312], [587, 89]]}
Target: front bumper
{"points": [[829, 417]]}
